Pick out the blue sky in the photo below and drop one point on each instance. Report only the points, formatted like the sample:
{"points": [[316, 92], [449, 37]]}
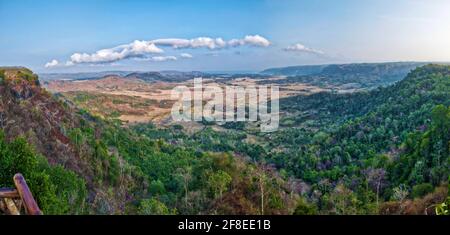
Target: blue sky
{"points": [[280, 33]]}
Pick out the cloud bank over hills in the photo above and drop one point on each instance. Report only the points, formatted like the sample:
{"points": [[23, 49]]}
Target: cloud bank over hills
{"points": [[146, 49]]}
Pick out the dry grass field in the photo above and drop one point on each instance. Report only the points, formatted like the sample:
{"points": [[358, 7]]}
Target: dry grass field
{"points": [[137, 101]]}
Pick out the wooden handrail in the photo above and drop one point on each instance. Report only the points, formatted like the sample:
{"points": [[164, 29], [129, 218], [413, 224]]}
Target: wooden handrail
{"points": [[9, 193], [29, 203]]}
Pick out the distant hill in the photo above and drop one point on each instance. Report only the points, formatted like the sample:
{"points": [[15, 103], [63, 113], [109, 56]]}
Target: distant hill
{"points": [[364, 75], [80, 76], [295, 70], [166, 76], [358, 68], [151, 76]]}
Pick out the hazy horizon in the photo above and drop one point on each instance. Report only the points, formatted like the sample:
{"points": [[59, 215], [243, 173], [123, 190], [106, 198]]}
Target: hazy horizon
{"points": [[86, 36], [235, 71]]}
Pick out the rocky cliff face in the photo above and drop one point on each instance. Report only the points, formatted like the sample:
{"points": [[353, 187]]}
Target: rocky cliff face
{"points": [[28, 110]]}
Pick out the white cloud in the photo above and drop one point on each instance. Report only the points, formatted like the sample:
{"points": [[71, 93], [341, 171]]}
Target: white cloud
{"points": [[163, 58], [186, 55], [142, 49], [51, 64], [55, 63], [212, 43], [134, 49], [301, 48], [178, 43], [254, 40], [156, 58]]}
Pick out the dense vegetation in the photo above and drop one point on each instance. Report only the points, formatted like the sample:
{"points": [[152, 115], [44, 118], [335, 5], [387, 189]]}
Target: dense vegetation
{"points": [[176, 179], [350, 152], [57, 190], [380, 151]]}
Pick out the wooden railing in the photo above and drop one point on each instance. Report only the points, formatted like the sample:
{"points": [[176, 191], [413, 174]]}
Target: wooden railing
{"points": [[12, 201]]}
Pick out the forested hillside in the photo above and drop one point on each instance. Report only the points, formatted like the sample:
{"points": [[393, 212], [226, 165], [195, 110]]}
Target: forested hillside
{"points": [[359, 153], [383, 151], [393, 138], [76, 163], [362, 75]]}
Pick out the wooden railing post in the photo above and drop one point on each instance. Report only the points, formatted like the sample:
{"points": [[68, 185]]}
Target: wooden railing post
{"points": [[12, 208], [29, 203]]}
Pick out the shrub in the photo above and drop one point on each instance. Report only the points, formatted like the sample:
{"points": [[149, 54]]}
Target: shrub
{"points": [[421, 190], [305, 208], [154, 207], [70, 189], [56, 190], [157, 187]]}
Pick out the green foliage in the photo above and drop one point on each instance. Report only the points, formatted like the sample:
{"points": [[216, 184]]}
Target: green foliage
{"points": [[70, 190], [185, 176], [106, 164], [426, 157], [343, 153], [367, 143], [305, 208], [443, 208], [76, 136], [154, 207], [219, 182], [157, 188], [57, 191], [45, 193], [28, 75], [16, 157], [353, 150], [421, 190]]}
